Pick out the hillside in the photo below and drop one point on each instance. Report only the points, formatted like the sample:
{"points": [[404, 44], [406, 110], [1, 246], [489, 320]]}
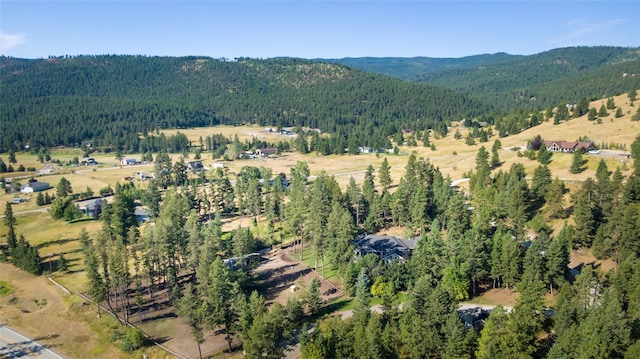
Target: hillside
{"points": [[411, 68], [110, 100], [533, 81]]}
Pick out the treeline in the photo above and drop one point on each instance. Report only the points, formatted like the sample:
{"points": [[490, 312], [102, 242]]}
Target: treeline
{"points": [[22, 254], [112, 100]]}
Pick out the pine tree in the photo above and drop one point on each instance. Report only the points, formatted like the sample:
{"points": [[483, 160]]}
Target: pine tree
{"points": [[63, 188], [10, 221], [602, 112], [555, 199], [543, 155], [384, 174], [583, 214], [557, 262], [576, 163], [540, 182]]}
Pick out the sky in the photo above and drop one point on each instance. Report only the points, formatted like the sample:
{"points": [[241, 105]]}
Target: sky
{"points": [[311, 29]]}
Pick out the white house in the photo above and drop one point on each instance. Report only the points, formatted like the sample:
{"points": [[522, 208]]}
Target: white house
{"points": [[129, 161]]}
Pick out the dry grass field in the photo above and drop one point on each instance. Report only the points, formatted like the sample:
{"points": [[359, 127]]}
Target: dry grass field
{"points": [[452, 157]]}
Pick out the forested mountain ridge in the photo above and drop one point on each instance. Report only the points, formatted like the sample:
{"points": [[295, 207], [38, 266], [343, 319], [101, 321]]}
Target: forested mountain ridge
{"points": [[111, 100], [410, 68], [533, 81]]}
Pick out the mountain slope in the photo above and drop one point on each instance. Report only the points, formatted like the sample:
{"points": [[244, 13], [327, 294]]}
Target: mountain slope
{"points": [[534, 81], [112, 99], [411, 68]]}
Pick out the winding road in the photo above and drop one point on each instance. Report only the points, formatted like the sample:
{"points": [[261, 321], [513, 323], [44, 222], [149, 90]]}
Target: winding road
{"points": [[16, 345]]}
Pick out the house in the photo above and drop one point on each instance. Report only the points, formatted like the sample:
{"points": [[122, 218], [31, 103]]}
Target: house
{"points": [[18, 200], [473, 317], [568, 146], [387, 248], [141, 214], [265, 152], [93, 208], [195, 166], [129, 161], [217, 165], [34, 186], [364, 149], [89, 161]]}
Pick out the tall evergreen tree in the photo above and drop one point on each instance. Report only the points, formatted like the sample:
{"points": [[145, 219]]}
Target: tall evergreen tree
{"points": [[10, 221], [384, 174]]}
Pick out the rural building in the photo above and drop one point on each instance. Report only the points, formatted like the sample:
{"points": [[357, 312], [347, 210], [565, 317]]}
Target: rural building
{"points": [[129, 161], [142, 215], [388, 248], [195, 166], [265, 152], [217, 165], [89, 161], [568, 146], [364, 149], [93, 208], [34, 186]]}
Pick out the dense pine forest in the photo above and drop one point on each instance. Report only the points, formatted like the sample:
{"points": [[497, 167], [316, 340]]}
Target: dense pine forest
{"points": [[116, 102], [113, 100], [509, 81]]}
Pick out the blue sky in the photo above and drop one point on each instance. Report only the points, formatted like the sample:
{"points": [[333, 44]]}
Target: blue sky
{"points": [[311, 29]]}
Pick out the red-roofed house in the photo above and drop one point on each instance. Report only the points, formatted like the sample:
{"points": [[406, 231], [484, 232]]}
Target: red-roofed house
{"points": [[568, 146]]}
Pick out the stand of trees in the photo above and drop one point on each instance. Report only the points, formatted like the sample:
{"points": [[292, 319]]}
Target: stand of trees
{"points": [[467, 244]]}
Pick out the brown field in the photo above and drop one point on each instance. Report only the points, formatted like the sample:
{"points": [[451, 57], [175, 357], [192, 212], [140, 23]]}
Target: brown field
{"points": [[83, 336]]}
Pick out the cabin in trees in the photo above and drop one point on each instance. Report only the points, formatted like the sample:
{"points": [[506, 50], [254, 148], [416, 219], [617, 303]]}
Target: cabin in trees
{"points": [[568, 146], [195, 166], [387, 248], [364, 149], [34, 186]]}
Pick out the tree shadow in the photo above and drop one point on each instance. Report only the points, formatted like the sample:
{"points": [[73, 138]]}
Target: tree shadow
{"points": [[58, 242]]}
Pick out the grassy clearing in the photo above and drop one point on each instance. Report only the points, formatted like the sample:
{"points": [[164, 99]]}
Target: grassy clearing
{"points": [[6, 289], [310, 260]]}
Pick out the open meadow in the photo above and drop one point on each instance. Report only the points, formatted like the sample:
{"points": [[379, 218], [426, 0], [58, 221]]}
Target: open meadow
{"points": [[71, 327]]}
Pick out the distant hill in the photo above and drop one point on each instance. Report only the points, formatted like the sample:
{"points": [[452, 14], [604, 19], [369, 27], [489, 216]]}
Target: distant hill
{"points": [[112, 100], [411, 68], [534, 81]]}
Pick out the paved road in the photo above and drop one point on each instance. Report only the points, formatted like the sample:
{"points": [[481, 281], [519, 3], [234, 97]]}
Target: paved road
{"points": [[15, 345]]}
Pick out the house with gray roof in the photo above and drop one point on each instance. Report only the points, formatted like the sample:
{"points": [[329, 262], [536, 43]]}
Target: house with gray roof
{"points": [[387, 248]]}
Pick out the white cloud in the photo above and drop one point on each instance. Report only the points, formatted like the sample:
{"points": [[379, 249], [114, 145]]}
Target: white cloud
{"points": [[9, 41], [580, 30]]}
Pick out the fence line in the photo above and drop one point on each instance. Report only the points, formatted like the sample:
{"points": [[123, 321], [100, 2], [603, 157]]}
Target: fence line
{"points": [[107, 310]]}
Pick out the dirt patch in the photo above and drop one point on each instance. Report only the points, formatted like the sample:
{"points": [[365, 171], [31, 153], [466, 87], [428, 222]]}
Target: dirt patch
{"points": [[278, 273], [583, 256]]}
